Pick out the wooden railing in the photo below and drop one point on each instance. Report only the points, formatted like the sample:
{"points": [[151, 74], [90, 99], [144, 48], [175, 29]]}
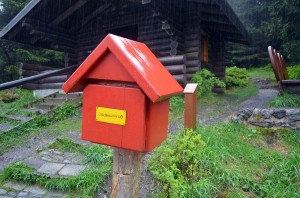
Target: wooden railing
{"points": [[37, 77]]}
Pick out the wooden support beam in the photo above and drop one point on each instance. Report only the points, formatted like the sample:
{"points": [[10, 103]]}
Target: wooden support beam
{"points": [[126, 173], [190, 109], [92, 15], [69, 12]]}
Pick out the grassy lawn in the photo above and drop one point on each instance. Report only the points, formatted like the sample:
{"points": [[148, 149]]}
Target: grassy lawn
{"points": [[262, 72], [214, 104], [234, 161]]}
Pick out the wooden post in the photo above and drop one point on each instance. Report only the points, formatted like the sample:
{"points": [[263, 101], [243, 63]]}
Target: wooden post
{"points": [[126, 174], [190, 109]]}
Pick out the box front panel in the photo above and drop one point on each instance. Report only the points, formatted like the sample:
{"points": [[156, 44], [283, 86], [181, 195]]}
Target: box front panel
{"points": [[114, 116]]}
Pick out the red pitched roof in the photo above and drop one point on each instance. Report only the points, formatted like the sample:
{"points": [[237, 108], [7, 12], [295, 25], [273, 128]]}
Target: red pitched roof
{"points": [[139, 62]]}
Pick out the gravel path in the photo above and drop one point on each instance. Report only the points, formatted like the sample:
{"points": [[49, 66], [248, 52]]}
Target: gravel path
{"points": [[263, 97]]}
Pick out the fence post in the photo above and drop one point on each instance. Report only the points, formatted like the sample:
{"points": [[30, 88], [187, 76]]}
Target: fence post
{"points": [[190, 109], [126, 174]]}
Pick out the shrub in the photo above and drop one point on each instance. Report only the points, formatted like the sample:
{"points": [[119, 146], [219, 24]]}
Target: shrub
{"points": [[236, 77], [206, 82], [8, 97], [294, 72], [175, 165]]}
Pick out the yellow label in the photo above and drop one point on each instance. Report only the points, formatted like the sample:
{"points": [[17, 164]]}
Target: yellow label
{"points": [[111, 116]]}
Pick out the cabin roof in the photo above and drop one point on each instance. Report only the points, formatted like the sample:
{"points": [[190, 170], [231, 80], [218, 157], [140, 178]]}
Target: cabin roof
{"points": [[68, 17], [138, 61]]}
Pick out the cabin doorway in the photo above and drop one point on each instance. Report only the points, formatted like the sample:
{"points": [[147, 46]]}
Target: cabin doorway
{"points": [[129, 32]]}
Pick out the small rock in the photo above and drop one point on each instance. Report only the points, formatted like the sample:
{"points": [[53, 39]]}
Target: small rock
{"points": [[23, 194], [246, 113], [262, 124], [56, 152], [34, 162], [50, 168], [294, 115], [2, 191], [67, 161], [54, 193], [35, 189], [15, 186], [12, 194], [265, 113], [71, 170], [280, 113]]}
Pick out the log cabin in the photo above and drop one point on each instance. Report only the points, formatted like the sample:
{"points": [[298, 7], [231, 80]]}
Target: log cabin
{"points": [[186, 35]]}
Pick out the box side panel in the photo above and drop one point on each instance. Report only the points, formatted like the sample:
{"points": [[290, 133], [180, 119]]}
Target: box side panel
{"points": [[157, 124]]}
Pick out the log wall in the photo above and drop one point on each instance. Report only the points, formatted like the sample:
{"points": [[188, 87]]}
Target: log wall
{"points": [[192, 46], [163, 38], [54, 82], [217, 59]]}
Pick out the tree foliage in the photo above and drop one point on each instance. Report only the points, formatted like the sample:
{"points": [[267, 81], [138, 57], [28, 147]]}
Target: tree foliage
{"points": [[11, 54], [270, 22]]}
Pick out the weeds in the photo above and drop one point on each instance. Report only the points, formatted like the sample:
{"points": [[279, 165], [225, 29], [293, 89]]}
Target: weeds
{"points": [[286, 100], [176, 107]]}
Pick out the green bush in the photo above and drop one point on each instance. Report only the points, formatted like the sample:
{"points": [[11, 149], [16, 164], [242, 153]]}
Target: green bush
{"points": [[206, 82], [236, 77], [294, 72], [175, 165], [8, 97]]}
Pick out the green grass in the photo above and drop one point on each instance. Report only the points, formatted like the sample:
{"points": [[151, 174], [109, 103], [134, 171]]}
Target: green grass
{"points": [[262, 72], [176, 108], [97, 158], [24, 97], [216, 104], [55, 125], [237, 162], [286, 100]]}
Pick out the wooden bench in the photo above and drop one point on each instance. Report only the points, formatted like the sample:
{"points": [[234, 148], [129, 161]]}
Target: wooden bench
{"points": [[281, 73]]}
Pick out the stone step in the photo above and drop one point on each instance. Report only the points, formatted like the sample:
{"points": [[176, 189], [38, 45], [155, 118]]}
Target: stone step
{"points": [[67, 96], [36, 111], [44, 106], [55, 101], [5, 126], [19, 118]]}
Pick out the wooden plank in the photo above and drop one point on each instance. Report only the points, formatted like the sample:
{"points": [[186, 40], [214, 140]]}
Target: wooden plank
{"points": [[69, 12]]}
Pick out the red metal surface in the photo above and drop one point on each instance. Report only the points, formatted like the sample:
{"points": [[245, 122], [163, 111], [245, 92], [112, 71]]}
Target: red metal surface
{"points": [[139, 62], [157, 124], [132, 135]]}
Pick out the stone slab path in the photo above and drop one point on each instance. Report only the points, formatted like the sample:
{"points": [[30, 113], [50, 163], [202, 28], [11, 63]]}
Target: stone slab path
{"points": [[51, 163]]}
